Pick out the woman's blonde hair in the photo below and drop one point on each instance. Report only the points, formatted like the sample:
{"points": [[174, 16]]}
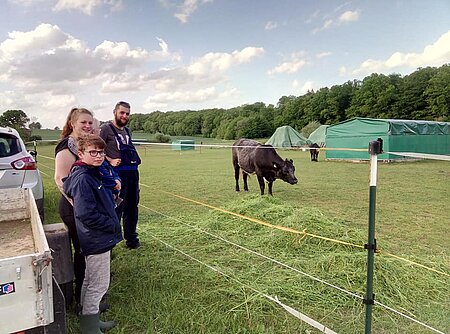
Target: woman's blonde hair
{"points": [[72, 118]]}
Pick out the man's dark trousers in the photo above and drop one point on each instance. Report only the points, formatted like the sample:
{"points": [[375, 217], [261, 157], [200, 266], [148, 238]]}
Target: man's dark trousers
{"points": [[128, 209]]}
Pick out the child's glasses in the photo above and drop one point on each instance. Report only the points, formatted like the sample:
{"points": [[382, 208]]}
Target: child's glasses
{"points": [[95, 153]]}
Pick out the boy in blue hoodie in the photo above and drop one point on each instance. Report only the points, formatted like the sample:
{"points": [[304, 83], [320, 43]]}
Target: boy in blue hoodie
{"points": [[98, 228]]}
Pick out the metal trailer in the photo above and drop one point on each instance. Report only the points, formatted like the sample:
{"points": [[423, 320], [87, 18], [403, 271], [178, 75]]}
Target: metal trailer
{"points": [[26, 293]]}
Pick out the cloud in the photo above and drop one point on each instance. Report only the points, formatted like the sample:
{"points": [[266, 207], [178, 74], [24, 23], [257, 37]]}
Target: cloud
{"points": [[86, 6], [312, 17], [48, 56], [326, 24], [308, 86], [59, 70], [349, 16], [335, 19], [270, 25], [162, 100], [292, 66], [220, 62], [28, 3], [435, 54], [323, 54], [182, 96], [343, 71], [188, 8]]}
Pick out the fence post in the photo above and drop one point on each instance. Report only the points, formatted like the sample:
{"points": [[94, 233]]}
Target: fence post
{"points": [[375, 148]]}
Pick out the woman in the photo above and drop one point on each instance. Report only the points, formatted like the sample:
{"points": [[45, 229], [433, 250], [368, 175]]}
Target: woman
{"points": [[79, 122]]}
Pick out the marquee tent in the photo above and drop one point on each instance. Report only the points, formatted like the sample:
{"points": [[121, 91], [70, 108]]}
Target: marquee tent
{"points": [[318, 135], [398, 135], [286, 136]]}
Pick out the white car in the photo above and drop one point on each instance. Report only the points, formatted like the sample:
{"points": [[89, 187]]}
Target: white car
{"points": [[18, 167]]}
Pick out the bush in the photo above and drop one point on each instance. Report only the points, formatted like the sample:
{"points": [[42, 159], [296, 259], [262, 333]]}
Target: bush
{"points": [[35, 137], [162, 138]]}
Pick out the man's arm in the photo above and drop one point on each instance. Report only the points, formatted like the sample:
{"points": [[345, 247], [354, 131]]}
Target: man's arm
{"points": [[108, 136]]}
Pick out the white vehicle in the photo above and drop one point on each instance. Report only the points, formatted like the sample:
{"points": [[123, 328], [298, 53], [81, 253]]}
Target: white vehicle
{"points": [[18, 167]]}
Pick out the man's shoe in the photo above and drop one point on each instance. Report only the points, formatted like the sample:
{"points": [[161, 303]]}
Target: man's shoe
{"points": [[134, 245]]}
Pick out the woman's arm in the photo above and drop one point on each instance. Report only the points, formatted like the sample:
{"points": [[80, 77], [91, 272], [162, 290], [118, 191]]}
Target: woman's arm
{"points": [[63, 163]]}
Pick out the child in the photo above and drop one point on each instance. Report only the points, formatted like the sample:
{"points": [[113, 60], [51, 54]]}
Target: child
{"points": [[97, 226], [111, 181], [110, 178]]}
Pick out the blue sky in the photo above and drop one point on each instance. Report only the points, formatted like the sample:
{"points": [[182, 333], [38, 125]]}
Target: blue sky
{"points": [[195, 54]]}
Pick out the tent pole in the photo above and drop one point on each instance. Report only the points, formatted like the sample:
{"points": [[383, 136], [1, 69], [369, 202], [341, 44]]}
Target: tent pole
{"points": [[375, 148]]}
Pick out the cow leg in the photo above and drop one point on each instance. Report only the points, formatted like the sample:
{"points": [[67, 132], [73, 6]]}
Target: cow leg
{"points": [[236, 175], [270, 188], [261, 184], [244, 177]]}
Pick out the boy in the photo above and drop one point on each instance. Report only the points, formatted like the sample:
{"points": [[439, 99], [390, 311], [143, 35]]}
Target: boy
{"points": [[97, 226]]}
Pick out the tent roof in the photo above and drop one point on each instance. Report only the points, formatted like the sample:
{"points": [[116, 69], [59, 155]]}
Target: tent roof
{"points": [[286, 136], [318, 135], [375, 126]]}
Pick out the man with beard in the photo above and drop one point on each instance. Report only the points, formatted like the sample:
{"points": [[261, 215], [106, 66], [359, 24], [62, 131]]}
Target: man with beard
{"points": [[124, 158]]}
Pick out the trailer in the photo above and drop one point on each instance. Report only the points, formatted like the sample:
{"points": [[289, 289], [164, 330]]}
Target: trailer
{"points": [[26, 284]]}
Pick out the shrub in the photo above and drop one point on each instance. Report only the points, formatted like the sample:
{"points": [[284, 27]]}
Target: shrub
{"points": [[162, 138]]}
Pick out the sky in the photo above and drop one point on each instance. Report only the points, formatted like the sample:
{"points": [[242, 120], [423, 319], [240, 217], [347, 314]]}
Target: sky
{"points": [[171, 55]]}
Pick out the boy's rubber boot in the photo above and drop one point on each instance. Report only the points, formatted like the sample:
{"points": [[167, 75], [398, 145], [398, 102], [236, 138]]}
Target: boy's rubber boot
{"points": [[90, 324], [107, 324]]}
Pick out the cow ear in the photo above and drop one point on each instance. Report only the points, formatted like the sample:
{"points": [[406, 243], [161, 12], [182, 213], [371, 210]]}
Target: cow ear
{"points": [[292, 161]]}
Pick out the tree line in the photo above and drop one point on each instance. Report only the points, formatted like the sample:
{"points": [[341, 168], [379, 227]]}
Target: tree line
{"points": [[421, 95]]}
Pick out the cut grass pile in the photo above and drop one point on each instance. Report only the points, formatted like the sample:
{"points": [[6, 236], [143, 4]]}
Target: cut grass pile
{"points": [[213, 297]]}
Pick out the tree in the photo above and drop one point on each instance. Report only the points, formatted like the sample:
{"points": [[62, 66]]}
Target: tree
{"points": [[14, 118], [437, 95], [34, 125]]}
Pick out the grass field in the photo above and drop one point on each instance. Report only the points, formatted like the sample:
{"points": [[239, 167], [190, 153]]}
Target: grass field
{"points": [[169, 286]]}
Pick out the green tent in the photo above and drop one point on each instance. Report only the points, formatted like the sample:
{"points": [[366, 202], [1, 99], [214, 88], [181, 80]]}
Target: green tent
{"points": [[286, 136], [318, 135], [398, 135], [182, 145]]}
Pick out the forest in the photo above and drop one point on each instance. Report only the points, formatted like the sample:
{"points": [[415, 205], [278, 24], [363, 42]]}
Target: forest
{"points": [[422, 95]]}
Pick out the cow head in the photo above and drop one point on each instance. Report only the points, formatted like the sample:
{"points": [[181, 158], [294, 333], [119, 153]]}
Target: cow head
{"points": [[285, 171]]}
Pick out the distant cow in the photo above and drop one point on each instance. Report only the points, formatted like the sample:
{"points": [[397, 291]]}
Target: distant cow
{"points": [[262, 160], [314, 151]]}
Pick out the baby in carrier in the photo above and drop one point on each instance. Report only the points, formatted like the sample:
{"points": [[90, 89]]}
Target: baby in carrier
{"points": [[110, 178], [111, 181]]}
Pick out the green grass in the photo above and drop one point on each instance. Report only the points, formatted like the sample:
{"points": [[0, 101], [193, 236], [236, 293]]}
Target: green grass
{"points": [[157, 289]]}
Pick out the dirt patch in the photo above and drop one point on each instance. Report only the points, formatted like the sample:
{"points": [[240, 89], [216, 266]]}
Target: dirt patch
{"points": [[16, 238]]}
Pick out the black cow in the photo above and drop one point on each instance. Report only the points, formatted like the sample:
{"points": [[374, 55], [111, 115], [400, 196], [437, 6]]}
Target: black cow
{"points": [[262, 160], [314, 151]]}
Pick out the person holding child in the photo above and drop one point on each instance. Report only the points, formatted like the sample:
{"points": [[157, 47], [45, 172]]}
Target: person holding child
{"points": [[97, 226], [124, 158]]}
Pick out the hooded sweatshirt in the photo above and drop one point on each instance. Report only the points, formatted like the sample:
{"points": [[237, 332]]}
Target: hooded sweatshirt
{"points": [[98, 227]]}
